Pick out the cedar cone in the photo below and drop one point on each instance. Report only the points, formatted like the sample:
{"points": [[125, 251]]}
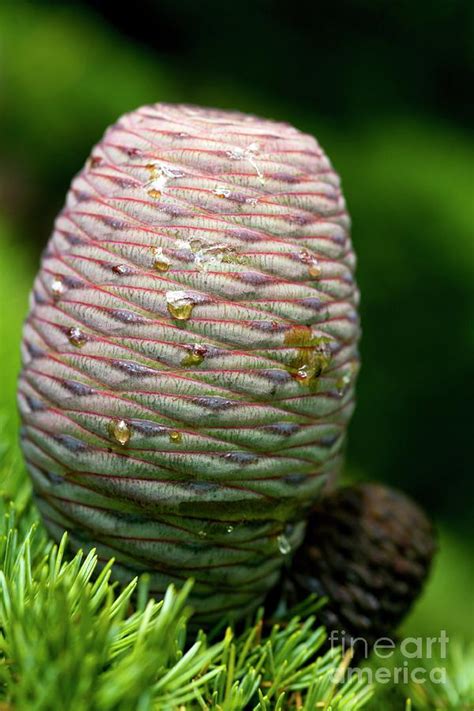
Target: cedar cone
{"points": [[368, 548], [190, 354]]}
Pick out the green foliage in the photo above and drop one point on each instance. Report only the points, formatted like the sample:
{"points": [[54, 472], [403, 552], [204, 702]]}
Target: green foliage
{"points": [[17, 276], [68, 642], [458, 691], [408, 188], [448, 683], [70, 93], [69, 639]]}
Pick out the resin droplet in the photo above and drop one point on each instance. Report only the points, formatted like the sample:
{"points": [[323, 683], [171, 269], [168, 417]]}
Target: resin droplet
{"points": [[344, 382], [159, 177], [196, 355], [57, 287], [284, 545], [313, 354], [121, 269], [250, 153], [76, 337], [160, 261], [222, 191], [302, 374], [180, 305], [196, 245], [176, 436], [229, 528], [236, 153], [120, 431], [212, 255], [314, 268]]}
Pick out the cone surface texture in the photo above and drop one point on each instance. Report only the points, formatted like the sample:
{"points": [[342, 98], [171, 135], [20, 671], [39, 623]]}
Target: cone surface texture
{"points": [[191, 349], [368, 548]]}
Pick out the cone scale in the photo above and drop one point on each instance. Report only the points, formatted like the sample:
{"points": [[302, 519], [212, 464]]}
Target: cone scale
{"points": [[368, 549], [190, 352]]}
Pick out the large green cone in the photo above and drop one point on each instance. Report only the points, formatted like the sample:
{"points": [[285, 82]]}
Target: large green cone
{"points": [[191, 350]]}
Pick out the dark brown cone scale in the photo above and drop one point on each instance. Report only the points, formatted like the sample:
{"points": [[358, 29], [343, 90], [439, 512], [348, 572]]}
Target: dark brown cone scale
{"points": [[368, 548]]}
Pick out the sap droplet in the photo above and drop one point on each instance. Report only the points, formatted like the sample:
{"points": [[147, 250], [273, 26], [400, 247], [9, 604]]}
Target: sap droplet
{"points": [[160, 261], [120, 431], [180, 305], [196, 245], [170, 172], [202, 259], [284, 545], [236, 153], [313, 354], [303, 374], [176, 436], [121, 269], [76, 337], [211, 255], [249, 154], [229, 528], [195, 356], [253, 148], [344, 382], [159, 177], [57, 287], [314, 268], [222, 191]]}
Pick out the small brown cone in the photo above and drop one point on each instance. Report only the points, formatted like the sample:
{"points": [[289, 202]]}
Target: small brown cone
{"points": [[368, 548]]}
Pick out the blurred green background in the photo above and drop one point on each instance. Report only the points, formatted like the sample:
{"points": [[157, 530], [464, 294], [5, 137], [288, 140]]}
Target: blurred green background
{"points": [[383, 86]]}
